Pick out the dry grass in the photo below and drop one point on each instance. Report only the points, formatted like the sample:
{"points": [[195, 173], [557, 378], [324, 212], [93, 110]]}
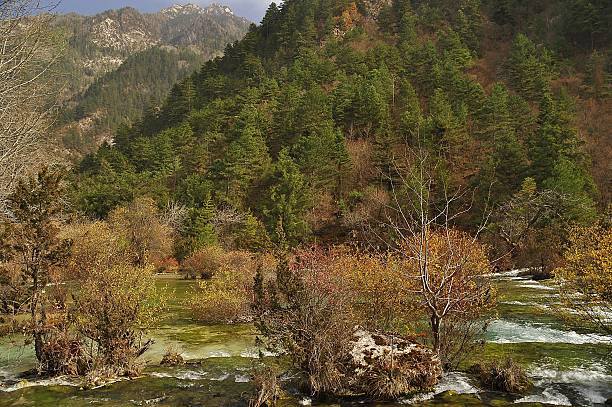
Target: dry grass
{"points": [[267, 387], [506, 376], [172, 358]]}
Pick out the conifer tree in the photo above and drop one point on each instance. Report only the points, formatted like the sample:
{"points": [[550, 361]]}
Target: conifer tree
{"points": [[287, 203], [198, 230], [469, 23], [528, 69], [245, 160], [321, 156], [181, 101], [411, 116], [554, 139], [29, 238]]}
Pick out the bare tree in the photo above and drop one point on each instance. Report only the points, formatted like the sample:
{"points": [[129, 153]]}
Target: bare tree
{"points": [[28, 51], [149, 237], [520, 214], [448, 268]]}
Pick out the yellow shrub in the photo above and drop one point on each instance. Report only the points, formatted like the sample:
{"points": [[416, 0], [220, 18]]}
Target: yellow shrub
{"points": [[585, 281], [227, 296]]}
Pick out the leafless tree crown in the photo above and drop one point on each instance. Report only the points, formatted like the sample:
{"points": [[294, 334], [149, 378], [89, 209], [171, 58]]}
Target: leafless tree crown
{"points": [[28, 51]]}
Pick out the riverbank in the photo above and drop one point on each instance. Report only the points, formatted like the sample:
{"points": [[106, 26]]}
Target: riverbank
{"points": [[568, 367]]}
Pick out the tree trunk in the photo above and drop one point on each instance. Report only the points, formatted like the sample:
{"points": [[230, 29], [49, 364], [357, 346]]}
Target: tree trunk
{"points": [[36, 324], [435, 331]]}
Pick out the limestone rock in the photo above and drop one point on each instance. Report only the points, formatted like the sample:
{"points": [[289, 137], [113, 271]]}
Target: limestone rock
{"points": [[387, 366]]}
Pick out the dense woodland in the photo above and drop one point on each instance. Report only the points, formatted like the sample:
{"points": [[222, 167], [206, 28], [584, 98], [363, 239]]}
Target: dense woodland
{"points": [[299, 128], [123, 94]]}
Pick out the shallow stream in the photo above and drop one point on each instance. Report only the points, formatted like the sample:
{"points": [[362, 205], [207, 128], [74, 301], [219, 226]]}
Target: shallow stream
{"points": [[568, 367]]}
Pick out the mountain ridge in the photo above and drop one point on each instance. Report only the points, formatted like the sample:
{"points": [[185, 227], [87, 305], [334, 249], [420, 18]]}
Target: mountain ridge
{"points": [[98, 46]]}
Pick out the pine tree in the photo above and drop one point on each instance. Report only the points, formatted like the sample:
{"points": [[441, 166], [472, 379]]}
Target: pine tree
{"points": [[553, 140], [572, 181], [507, 161], [469, 24], [245, 160], [199, 231], [408, 28], [289, 199], [321, 155], [528, 69], [182, 100], [411, 116]]}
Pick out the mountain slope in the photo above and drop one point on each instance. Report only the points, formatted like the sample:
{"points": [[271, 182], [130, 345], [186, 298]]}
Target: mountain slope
{"points": [[107, 56], [297, 127]]}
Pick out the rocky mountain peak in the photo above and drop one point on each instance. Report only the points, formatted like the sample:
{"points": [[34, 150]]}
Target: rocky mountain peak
{"points": [[194, 9], [123, 29], [182, 9], [127, 30], [215, 8]]}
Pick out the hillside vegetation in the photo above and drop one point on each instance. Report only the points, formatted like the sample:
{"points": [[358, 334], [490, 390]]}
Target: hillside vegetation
{"points": [[301, 128]]}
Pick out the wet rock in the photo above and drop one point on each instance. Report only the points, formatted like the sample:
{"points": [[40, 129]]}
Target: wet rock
{"points": [[609, 402], [389, 366], [536, 274]]}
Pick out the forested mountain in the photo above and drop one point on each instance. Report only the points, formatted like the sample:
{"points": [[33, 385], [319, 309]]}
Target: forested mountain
{"points": [[298, 128], [118, 62]]}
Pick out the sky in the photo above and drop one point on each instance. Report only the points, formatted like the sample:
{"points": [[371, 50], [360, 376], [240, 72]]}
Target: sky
{"points": [[251, 9]]}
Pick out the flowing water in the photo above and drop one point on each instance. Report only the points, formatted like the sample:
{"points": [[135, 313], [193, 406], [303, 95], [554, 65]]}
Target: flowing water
{"points": [[568, 367]]}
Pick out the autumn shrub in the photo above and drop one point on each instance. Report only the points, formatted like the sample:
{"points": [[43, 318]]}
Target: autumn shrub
{"points": [[227, 296], [585, 280], [13, 289], [449, 273], [63, 353], [95, 246], [266, 382], [172, 358], [168, 266], [204, 264], [31, 246], [306, 311], [312, 311], [217, 301], [114, 300], [505, 375], [142, 226], [382, 291], [113, 308]]}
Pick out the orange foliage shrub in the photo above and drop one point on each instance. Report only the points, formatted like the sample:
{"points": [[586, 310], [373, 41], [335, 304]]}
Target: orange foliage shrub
{"points": [[204, 264], [169, 265], [381, 288]]}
